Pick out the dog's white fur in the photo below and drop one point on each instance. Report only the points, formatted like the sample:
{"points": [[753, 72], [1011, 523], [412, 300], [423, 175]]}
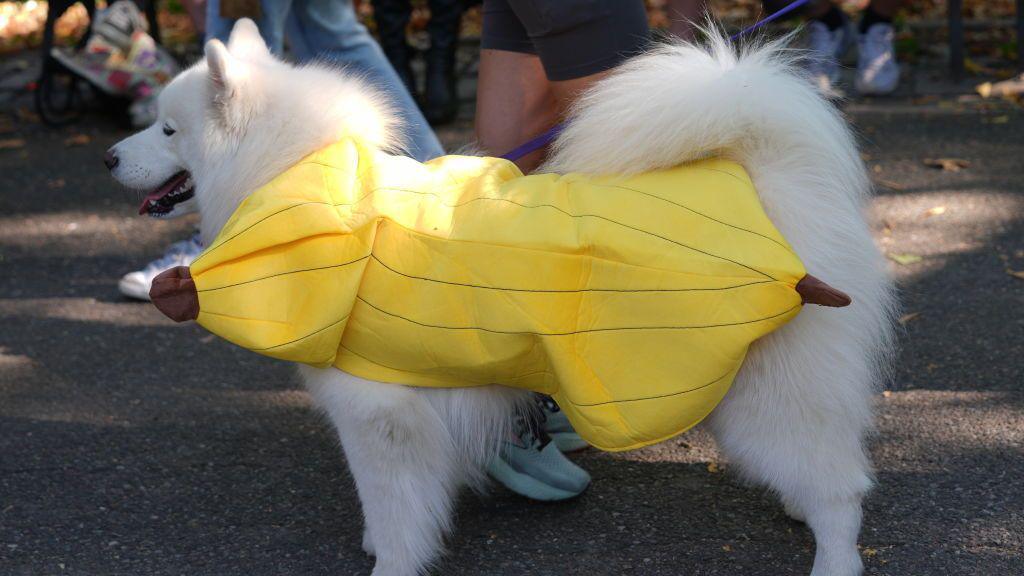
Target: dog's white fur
{"points": [[797, 415]]}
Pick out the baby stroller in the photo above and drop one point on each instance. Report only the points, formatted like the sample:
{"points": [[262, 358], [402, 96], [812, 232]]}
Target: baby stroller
{"points": [[118, 60]]}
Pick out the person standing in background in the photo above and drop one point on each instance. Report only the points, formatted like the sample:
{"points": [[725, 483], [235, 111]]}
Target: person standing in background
{"points": [[830, 35], [331, 30], [537, 56], [439, 101]]}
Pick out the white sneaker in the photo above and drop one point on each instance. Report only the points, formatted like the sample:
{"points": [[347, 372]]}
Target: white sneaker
{"points": [[878, 73], [136, 284], [826, 47]]}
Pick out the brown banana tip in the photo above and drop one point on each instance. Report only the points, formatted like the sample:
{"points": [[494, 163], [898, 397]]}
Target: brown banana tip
{"points": [[814, 291], [173, 292]]}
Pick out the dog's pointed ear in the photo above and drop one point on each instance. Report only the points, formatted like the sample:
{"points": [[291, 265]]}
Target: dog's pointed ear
{"points": [[246, 43], [226, 72]]}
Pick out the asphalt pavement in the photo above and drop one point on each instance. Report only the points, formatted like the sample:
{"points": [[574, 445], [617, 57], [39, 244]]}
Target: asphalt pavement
{"points": [[133, 446]]}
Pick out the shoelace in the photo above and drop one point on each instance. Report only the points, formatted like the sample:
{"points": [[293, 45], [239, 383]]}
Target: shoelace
{"points": [[529, 429], [547, 403]]}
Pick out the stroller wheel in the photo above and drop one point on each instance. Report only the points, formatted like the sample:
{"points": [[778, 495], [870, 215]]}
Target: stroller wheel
{"points": [[58, 97]]}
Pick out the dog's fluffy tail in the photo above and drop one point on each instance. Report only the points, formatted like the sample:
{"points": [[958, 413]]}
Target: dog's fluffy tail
{"points": [[682, 102]]}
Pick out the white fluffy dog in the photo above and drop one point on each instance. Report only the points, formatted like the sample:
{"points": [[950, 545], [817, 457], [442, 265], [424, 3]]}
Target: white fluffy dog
{"points": [[797, 415]]}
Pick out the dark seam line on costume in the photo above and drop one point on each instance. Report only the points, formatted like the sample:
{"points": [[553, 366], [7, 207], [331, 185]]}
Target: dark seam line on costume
{"points": [[685, 207], [285, 274], [314, 333], [240, 232], [395, 368], [652, 397], [249, 227], [726, 172], [411, 371], [480, 198], [233, 317], [540, 291], [571, 215], [514, 332]]}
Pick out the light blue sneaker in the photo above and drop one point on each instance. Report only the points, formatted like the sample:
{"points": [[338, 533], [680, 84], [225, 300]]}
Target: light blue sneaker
{"points": [[878, 73], [825, 49], [136, 284], [531, 465], [557, 425]]}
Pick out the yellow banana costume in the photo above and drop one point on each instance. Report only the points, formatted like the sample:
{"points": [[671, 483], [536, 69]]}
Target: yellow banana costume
{"points": [[632, 301]]}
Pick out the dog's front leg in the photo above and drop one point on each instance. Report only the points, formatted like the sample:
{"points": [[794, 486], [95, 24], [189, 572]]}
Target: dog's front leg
{"points": [[403, 463]]}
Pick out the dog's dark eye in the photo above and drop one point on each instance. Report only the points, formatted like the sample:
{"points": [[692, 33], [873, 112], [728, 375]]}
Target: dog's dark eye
{"points": [[168, 130]]}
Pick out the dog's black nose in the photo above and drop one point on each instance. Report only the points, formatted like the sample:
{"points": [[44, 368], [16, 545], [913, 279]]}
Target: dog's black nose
{"points": [[110, 159]]}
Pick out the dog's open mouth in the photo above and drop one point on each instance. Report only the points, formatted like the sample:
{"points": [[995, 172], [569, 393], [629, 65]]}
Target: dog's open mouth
{"points": [[161, 201]]}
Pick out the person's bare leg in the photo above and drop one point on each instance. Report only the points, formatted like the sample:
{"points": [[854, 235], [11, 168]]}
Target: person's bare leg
{"points": [[683, 14], [567, 91], [514, 103]]}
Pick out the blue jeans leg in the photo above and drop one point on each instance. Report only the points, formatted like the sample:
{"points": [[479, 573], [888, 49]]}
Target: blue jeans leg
{"points": [[330, 29], [271, 23]]}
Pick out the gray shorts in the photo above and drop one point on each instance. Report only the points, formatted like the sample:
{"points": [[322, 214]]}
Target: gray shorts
{"points": [[573, 38]]}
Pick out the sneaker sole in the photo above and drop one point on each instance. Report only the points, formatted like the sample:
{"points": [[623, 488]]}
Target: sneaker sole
{"points": [[865, 90], [133, 290], [527, 486]]}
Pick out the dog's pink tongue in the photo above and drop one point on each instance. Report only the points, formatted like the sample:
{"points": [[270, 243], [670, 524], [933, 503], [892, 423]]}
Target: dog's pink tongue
{"points": [[155, 195], [161, 191]]}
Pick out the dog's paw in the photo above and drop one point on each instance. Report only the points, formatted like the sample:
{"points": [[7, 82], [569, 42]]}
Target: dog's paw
{"points": [[368, 543], [794, 512], [838, 563]]}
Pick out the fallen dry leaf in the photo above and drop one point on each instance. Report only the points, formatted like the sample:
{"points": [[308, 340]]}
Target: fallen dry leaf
{"points": [[886, 393], [1018, 274], [892, 185], [77, 140], [935, 211], [904, 259], [869, 552], [908, 317], [947, 164], [26, 115], [727, 548], [1011, 87], [714, 468], [12, 143]]}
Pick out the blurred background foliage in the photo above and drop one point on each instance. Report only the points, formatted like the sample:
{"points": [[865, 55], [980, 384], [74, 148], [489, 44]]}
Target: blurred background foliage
{"points": [[921, 24]]}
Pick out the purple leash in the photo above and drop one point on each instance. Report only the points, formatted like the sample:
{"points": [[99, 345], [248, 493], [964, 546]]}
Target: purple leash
{"points": [[549, 135]]}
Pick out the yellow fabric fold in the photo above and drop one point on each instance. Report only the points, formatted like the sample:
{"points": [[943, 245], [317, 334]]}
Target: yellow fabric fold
{"points": [[631, 300]]}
